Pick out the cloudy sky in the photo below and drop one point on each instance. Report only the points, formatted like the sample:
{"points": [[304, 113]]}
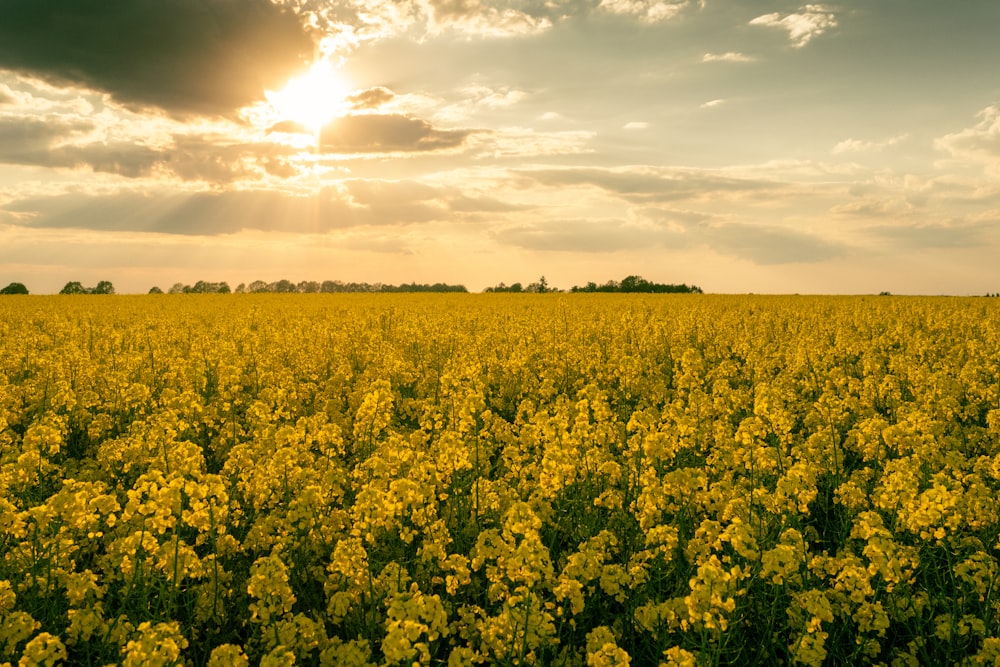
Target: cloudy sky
{"points": [[740, 145]]}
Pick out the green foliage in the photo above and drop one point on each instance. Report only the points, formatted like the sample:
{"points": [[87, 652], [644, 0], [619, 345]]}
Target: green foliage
{"points": [[14, 288], [638, 285], [75, 287]]}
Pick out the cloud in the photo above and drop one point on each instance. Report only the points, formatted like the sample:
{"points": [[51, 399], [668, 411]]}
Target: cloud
{"points": [[931, 236], [871, 207], [590, 236], [861, 146], [728, 57], [763, 245], [712, 104], [372, 98], [510, 142], [980, 142], [494, 98], [477, 99], [6, 95], [636, 125], [647, 185], [385, 133], [473, 17], [649, 11], [811, 21], [29, 141], [184, 56], [74, 143], [347, 204], [769, 245]]}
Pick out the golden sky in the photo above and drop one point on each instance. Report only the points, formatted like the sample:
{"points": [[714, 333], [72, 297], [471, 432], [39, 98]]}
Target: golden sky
{"points": [[750, 146]]}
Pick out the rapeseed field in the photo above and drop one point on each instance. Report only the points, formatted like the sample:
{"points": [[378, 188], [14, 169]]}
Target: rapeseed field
{"points": [[499, 480]]}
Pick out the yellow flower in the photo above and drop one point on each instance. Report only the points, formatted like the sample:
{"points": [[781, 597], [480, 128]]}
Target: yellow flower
{"points": [[603, 651], [228, 655], [158, 645], [44, 650]]}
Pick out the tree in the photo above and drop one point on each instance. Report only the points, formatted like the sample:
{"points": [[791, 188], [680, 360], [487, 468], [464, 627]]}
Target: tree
{"points": [[103, 287], [308, 287], [14, 288], [73, 287], [155, 290], [541, 287], [257, 286]]}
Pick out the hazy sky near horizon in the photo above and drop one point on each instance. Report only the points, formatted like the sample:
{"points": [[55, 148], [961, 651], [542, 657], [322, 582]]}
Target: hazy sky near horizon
{"points": [[742, 146]]}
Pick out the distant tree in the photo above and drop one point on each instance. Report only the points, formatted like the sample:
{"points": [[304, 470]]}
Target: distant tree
{"points": [[257, 286], [73, 287], [283, 287], [501, 287], [103, 287], [240, 289], [540, 287], [223, 288], [14, 288], [178, 288], [308, 287], [155, 290]]}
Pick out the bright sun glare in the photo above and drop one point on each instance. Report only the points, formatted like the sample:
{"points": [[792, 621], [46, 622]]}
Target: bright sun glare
{"points": [[311, 99]]}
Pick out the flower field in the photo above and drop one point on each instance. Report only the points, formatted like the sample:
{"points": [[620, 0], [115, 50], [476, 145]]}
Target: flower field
{"points": [[499, 480]]}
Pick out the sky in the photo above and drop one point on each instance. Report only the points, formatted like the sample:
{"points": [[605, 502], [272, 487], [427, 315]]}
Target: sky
{"points": [[739, 145]]}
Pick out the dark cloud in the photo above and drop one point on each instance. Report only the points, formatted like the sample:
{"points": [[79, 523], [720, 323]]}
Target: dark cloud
{"points": [[46, 143], [184, 56], [376, 133], [289, 127], [62, 144], [28, 141], [372, 98]]}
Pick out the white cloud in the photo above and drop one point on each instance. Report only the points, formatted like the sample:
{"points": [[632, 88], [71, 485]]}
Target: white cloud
{"points": [[636, 125], [477, 98], [479, 19], [712, 103], [861, 146], [981, 142], [649, 11], [811, 21], [727, 57], [521, 141]]}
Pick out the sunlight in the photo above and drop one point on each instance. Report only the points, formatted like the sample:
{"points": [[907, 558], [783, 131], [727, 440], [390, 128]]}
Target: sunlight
{"points": [[311, 99]]}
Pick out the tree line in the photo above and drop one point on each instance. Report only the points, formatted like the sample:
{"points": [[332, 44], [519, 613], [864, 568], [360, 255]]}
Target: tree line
{"points": [[74, 287], [304, 287], [630, 284], [540, 286], [638, 284]]}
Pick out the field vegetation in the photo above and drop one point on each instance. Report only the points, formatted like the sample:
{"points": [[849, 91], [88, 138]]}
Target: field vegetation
{"points": [[553, 479]]}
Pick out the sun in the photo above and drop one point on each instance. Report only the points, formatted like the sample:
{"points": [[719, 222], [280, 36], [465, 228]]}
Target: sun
{"points": [[311, 99]]}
